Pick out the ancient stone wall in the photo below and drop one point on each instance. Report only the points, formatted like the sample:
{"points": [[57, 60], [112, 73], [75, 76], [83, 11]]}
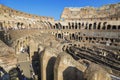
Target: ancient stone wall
{"points": [[91, 13], [95, 31]]}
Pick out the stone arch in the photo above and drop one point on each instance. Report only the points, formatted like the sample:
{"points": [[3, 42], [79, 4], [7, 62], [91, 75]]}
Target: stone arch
{"points": [[86, 27], [114, 27], [56, 26], [108, 27], [99, 26], [50, 68], [73, 71], [95, 25], [90, 26], [63, 27], [76, 27], [50, 25], [65, 66], [59, 35], [18, 25], [79, 24], [119, 27], [73, 25], [70, 27], [70, 36], [104, 26], [60, 25], [73, 36], [83, 24], [47, 25], [47, 59], [67, 27]]}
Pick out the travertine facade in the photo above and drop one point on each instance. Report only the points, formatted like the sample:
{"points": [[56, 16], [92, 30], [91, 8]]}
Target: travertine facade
{"points": [[46, 49]]}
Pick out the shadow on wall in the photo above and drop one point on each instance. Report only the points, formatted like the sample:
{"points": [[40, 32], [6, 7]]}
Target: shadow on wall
{"points": [[72, 73], [36, 64], [50, 69]]}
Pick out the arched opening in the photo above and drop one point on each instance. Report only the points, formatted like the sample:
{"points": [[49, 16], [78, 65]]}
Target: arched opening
{"points": [[86, 38], [99, 25], [69, 24], [94, 26], [60, 26], [50, 69], [79, 25], [73, 36], [74, 72], [79, 38], [66, 27], [114, 27], [18, 25], [22, 25], [63, 27], [90, 26], [70, 36], [57, 26], [82, 24], [75, 25], [108, 27], [104, 25], [118, 27], [69, 27], [86, 27], [72, 25], [53, 27], [59, 35], [90, 38], [50, 25]]}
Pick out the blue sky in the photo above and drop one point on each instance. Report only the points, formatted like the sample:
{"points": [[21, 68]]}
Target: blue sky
{"points": [[52, 8]]}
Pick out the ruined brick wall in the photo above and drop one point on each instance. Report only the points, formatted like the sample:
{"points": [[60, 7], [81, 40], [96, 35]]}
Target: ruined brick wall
{"points": [[89, 13]]}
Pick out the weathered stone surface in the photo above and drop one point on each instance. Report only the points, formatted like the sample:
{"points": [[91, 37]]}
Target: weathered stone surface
{"points": [[111, 10], [7, 56], [66, 68], [95, 72], [94, 31], [48, 58]]}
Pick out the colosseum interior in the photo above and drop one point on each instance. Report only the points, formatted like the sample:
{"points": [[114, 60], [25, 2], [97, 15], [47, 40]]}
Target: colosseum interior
{"points": [[83, 45]]}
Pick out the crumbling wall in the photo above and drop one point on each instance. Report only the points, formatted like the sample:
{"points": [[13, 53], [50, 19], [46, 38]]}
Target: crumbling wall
{"points": [[66, 68]]}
